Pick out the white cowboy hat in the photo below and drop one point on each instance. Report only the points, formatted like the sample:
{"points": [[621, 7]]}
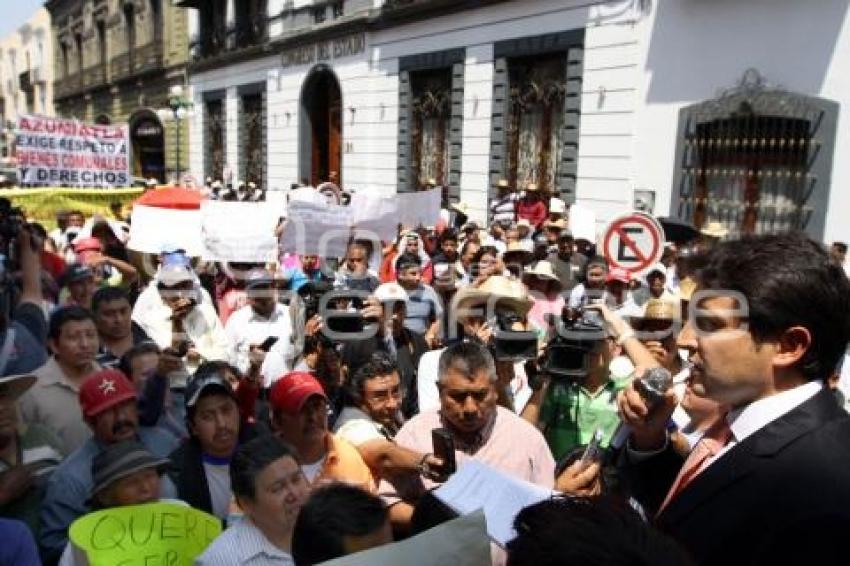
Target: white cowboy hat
{"points": [[517, 253], [503, 184], [714, 230], [532, 187], [541, 270], [497, 290], [557, 206], [390, 292]]}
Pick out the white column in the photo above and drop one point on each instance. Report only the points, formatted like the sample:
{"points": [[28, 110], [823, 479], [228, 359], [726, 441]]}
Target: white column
{"points": [[477, 107]]}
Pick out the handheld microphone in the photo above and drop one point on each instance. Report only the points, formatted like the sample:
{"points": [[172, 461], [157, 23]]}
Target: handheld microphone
{"points": [[652, 386]]}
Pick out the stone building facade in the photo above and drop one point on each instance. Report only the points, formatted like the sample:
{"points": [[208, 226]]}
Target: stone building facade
{"points": [[116, 61]]}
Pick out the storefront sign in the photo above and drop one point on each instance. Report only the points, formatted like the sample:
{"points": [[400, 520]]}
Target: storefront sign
{"points": [[57, 152], [324, 51]]}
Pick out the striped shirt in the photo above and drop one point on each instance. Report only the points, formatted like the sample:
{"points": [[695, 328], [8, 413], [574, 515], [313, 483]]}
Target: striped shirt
{"points": [[243, 543], [503, 209]]}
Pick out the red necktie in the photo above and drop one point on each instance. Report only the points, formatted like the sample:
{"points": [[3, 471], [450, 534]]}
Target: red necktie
{"points": [[710, 445]]}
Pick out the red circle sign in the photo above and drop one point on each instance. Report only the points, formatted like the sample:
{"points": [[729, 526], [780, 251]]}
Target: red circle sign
{"points": [[637, 237]]}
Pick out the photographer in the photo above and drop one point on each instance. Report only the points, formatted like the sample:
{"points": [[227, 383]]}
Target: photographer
{"points": [[570, 405]]}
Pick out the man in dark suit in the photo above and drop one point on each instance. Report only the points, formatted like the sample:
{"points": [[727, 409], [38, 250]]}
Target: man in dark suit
{"points": [[769, 483]]}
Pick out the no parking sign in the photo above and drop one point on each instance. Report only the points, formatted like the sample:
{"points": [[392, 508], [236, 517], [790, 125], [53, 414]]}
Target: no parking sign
{"points": [[634, 242]]}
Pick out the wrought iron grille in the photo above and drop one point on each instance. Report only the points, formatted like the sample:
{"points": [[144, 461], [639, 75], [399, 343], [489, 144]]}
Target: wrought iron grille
{"points": [[747, 159], [254, 138], [215, 139], [536, 107], [432, 109]]}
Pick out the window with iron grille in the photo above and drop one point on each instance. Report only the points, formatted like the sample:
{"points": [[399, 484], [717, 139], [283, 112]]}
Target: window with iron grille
{"points": [[319, 15], [337, 8], [756, 159], [214, 139], [432, 112], [252, 153]]}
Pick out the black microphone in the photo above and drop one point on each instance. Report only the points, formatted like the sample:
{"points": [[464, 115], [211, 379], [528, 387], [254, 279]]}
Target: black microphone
{"points": [[652, 386]]}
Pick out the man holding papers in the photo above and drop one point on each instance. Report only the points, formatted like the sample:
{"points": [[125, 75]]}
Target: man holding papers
{"points": [[480, 430]]}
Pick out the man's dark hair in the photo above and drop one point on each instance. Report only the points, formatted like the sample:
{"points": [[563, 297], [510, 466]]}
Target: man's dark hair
{"points": [[448, 236], [484, 250], [597, 260], [588, 531], [107, 295], [63, 316], [787, 281], [840, 246], [251, 459], [380, 363], [126, 362], [465, 247], [467, 358], [330, 514], [407, 260], [38, 230]]}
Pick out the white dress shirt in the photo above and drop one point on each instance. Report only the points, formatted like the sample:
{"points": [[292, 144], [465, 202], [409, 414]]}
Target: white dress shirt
{"points": [[746, 421], [245, 328]]}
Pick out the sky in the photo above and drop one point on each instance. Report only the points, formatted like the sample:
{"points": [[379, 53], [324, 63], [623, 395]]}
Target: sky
{"points": [[14, 13]]}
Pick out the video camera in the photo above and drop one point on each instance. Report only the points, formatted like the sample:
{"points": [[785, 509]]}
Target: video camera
{"points": [[508, 344], [576, 335]]}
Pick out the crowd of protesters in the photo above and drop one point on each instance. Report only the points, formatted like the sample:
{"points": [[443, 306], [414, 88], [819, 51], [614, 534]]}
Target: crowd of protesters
{"points": [[305, 426]]}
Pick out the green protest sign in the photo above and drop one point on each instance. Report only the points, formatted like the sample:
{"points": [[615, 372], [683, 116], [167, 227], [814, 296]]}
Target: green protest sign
{"points": [[155, 534]]}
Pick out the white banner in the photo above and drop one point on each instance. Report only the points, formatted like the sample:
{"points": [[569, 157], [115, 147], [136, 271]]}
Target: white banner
{"points": [[373, 214], [59, 152], [151, 228], [239, 231], [313, 228], [422, 207]]}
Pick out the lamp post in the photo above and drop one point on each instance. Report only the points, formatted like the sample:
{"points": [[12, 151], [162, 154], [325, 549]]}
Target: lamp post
{"points": [[179, 107]]}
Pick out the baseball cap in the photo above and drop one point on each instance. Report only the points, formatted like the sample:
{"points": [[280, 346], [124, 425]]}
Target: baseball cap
{"points": [[258, 278], [119, 460], [197, 385], [618, 274], [174, 274], [76, 272], [657, 268], [89, 244], [291, 391], [389, 292], [103, 390]]}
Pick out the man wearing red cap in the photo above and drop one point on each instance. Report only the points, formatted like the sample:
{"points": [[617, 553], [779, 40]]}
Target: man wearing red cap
{"points": [[618, 298], [108, 405], [300, 417]]}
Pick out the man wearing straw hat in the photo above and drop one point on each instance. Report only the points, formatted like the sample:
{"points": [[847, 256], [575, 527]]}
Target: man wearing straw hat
{"points": [[503, 207]]}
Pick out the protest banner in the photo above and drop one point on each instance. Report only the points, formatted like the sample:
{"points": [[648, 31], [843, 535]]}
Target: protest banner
{"points": [[41, 205], [56, 151], [154, 533], [238, 231], [314, 228], [152, 227], [419, 208], [459, 542]]}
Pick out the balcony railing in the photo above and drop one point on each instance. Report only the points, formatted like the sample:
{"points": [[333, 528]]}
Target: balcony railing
{"points": [[66, 86], [144, 59], [221, 40], [94, 76]]}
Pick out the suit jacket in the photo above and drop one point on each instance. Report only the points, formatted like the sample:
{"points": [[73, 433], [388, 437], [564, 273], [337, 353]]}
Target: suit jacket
{"points": [[781, 496]]}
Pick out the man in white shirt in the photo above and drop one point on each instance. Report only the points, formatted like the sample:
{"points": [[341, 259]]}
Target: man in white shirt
{"points": [[181, 321], [767, 483], [259, 325]]}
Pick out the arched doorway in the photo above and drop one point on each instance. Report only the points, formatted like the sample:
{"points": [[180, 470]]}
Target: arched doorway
{"points": [[321, 126], [147, 143]]}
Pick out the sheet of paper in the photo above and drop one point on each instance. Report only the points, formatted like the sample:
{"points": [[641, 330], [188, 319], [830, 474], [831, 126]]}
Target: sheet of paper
{"points": [[313, 228], [374, 216], [154, 533], [421, 207], [478, 486], [459, 542], [152, 227], [582, 223], [238, 231]]}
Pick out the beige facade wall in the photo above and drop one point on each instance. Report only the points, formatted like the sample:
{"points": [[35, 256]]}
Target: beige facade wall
{"points": [[126, 74], [26, 69]]}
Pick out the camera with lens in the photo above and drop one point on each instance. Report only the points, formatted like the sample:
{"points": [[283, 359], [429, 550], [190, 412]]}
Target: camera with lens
{"points": [[575, 336], [508, 342]]}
